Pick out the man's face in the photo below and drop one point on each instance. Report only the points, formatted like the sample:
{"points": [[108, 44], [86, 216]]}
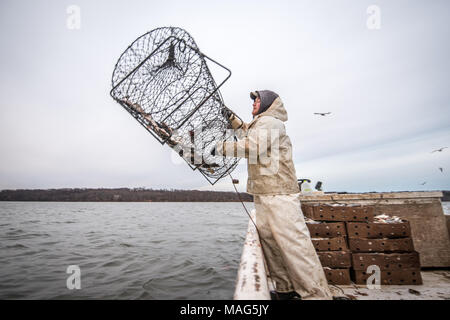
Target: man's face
{"points": [[256, 106]]}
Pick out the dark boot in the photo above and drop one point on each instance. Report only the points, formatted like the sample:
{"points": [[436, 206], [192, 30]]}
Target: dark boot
{"points": [[285, 295], [341, 298]]}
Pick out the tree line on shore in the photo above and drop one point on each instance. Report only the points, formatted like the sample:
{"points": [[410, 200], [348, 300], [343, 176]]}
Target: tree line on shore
{"points": [[121, 195]]}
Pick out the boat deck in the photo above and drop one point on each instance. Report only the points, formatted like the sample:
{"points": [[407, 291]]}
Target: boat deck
{"points": [[430, 235], [436, 286]]}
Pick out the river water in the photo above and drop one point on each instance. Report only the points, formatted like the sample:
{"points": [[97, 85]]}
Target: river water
{"points": [[123, 250]]}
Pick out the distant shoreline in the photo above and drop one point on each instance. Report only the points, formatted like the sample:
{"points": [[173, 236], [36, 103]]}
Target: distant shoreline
{"points": [[120, 195], [135, 195]]}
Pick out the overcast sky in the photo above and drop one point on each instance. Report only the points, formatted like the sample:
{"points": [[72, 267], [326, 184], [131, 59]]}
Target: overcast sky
{"points": [[387, 89]]}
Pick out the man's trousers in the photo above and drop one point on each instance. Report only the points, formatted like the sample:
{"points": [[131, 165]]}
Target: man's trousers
{"points": [[290, 255]]}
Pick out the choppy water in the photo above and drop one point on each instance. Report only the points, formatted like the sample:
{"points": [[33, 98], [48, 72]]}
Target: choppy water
{"points": [[124, 250]]}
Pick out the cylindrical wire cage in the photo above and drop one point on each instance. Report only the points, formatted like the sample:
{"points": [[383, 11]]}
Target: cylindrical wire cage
{"points": [[162, 79]]}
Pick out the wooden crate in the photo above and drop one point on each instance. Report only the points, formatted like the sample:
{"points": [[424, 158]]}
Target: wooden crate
{"points": [[325, 212], [335, 259], [391, 277], [327, 229], [378, 230], [337, 276], [307, 210], [330, 244], [386, 261], [381, 245]]}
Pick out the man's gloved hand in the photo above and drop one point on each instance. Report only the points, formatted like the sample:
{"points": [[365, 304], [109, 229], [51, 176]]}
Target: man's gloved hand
{"points": [[234, 121], [213, 152], [227, 113]]}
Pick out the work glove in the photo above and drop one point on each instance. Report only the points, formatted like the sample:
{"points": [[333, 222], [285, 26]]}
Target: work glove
{"points": [[234, 121], [226, 113]]}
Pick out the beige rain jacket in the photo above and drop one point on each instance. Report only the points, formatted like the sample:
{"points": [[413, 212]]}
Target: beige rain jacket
{"points": [[268, 150]]}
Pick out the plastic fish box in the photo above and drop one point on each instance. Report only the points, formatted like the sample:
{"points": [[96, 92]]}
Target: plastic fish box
{"points": [[381, 245], [327, 229], [386, 261], [339, 276], [335, 259], [391, 277], [330, 244], [342, 213], [378, 230]]}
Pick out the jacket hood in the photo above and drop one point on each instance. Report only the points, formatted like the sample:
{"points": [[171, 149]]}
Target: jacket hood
{"points": [[276, 110], [267, 97]]}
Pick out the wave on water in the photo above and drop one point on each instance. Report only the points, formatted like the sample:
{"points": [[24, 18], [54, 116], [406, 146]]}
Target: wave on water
{"points": [[124, 250]]}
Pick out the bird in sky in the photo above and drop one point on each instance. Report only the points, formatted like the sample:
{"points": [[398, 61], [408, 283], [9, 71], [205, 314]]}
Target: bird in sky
{"points": [[423, 183], [442, 169], [322, 114], [439, 150]]}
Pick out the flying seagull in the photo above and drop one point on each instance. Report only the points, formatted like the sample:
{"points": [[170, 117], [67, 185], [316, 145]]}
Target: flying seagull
{"points": [[439, 150], [423, 183], [442, 170], [322, 114]]}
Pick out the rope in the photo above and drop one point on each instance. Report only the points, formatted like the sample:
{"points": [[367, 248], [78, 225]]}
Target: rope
{"points": [[257, 231]]}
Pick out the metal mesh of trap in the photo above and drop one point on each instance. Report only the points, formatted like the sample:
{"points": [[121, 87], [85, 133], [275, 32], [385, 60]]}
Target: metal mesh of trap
{"points": [[162, 79]]}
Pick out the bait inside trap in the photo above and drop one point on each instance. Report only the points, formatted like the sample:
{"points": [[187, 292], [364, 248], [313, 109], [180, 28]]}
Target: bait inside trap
{"points": [[162, 79]]}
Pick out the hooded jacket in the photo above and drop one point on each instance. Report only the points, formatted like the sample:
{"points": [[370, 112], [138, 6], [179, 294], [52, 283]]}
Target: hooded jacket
{"points": [[268, 151], [267, 97]]}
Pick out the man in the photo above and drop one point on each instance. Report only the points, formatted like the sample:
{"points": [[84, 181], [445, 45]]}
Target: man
{"points": [[291, 258]]}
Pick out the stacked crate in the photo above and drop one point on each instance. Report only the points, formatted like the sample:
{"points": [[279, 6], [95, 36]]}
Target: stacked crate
{"points": [[385, 243], [327, 228], [349, 238]]}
